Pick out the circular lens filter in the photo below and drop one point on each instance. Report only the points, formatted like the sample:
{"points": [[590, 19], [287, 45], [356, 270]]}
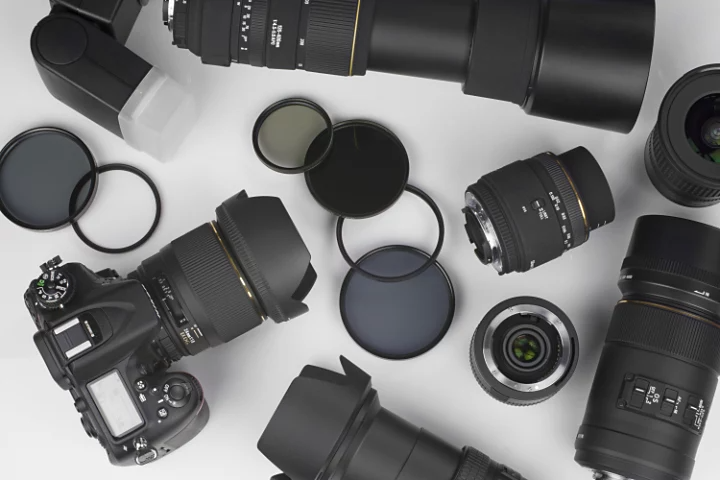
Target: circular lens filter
{"points": [[398, 320], [365, 172], [156, 220], [411, 273], [284, 132], [39, 172]]}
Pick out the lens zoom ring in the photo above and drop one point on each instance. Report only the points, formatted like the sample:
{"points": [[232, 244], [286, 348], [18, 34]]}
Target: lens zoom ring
{"points": [[665, 331], [672, 267], [568, 196], [671, 181], [331, 36], [499, 221], [258, 33], [215, 283], [475, 465]]}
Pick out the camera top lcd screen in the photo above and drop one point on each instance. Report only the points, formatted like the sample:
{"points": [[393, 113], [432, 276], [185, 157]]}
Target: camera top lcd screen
{"points": [[115, 404]]}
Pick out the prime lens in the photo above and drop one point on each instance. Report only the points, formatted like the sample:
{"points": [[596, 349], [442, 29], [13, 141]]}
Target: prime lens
{"points": [[331, 426], [224, 278], [658, 372], [579, 62], [530, 212], [682, 156]]}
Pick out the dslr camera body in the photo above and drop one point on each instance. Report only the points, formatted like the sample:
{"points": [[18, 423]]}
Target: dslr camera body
{"points": [[102, 338], [110, 340]]}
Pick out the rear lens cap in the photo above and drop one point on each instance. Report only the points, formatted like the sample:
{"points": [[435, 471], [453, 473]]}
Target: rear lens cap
{"points": [[399, 320], [40, 170]]}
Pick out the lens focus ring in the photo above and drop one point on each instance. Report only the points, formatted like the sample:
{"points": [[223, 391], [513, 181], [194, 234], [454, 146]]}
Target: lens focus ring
{"points": [[673, 182], [656, 328], [331, 36]]}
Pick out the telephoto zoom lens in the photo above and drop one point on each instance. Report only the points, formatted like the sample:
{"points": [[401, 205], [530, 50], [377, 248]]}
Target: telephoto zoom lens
{"points": [[331, 426], [524, 351], [659, 368], [224, 278], [530, 212], [682, 156], [568, 60]]}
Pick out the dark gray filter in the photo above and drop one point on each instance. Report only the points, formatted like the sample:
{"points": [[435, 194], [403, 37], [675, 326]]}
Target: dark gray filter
{"points": [[397, 320], [39, 171]]}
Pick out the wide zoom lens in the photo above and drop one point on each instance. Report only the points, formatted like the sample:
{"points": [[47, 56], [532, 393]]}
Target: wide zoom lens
{"points": [[225, 277], [530, 212], [580, 62], [331, 426], [682, 156], [658, 371]]}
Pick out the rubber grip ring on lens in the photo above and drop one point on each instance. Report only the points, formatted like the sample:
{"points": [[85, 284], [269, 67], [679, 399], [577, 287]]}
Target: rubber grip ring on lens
{"points": [[431, 260], [156, 221], [290, 102]]}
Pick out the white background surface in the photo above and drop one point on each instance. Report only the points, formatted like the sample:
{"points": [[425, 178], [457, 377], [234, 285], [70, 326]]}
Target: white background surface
{"points": [[452, 140]]}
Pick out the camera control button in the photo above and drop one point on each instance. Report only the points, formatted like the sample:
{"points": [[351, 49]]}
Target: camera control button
{"points": [[162, 413], [140, 385], [177, 393], [144, 457]]}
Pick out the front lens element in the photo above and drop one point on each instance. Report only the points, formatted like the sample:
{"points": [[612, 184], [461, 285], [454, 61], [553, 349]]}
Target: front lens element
{"points": [[524, 351], [657, 375], [530, 212]]}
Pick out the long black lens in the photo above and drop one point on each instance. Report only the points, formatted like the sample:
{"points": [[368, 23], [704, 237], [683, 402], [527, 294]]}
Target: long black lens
{"points": [[658, 371], [580, 62], [530, 212], [224, 278], [331, 426], [682, 156]]}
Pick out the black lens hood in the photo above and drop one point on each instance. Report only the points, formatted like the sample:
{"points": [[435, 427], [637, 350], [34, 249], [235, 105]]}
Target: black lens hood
{"points": [[271, 252], [592, 62], [331, 403]]}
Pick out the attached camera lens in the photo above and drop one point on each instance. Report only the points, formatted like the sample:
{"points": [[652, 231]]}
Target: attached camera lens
{"points": [[524, 351], [225, 277], [683, 150], [530, 212], [659, 368]]}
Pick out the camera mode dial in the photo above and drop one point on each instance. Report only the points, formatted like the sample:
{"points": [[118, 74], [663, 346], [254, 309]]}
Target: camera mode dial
{"points": [[54, 288]]}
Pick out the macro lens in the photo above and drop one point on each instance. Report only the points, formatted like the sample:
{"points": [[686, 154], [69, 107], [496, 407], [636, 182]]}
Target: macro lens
{"points": [[580, 62], [224, 278], [682, 156], [524, 351], [659, 368], [530, 212], [331, 426]]}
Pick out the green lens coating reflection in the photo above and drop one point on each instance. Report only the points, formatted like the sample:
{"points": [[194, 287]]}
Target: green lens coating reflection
{"points": [[526, 347]]}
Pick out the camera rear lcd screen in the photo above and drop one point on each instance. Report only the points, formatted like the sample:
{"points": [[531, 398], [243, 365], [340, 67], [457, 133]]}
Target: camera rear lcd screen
{"points": [[115, 404]]}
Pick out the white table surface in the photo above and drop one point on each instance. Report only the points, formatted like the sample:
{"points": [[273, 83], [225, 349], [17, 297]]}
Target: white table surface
{"points": [[452, 140]]}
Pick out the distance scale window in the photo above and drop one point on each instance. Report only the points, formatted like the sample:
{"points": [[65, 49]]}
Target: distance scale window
{"points": [[659, 400]]}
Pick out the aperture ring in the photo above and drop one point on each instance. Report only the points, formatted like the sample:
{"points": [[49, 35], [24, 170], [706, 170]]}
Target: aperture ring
{"points": [[330, 38], [568, 196], [666, 330], [508, 245]]}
